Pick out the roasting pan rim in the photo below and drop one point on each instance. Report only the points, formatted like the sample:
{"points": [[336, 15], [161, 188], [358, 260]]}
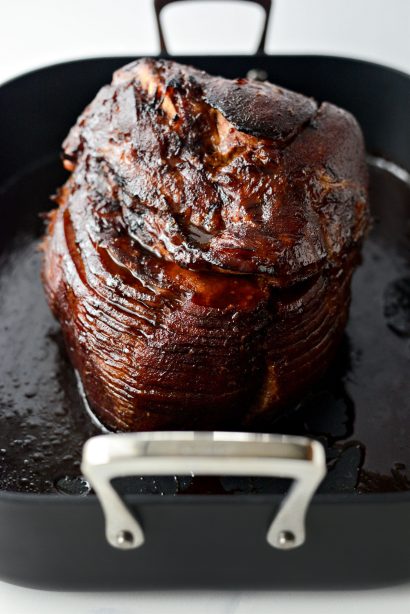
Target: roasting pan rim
{"points": [[189, 58]]}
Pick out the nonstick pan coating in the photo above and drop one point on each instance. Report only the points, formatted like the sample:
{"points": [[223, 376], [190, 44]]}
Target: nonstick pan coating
{"points": [[359, 411]]}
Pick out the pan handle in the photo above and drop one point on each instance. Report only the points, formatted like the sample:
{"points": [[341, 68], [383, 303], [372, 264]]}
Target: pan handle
{"points": [[159, 5], [106, 457]]}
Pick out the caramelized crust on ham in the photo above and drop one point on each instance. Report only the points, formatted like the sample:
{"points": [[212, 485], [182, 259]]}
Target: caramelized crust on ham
{"points": [[200, 257]]}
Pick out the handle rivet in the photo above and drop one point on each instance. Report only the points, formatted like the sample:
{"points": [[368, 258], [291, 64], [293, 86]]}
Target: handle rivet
{"points": [[124, 539], [286, 539], [257, 74]]}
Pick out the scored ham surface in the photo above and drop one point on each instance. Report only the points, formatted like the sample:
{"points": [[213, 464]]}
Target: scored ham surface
{"points": [[200, 257]]}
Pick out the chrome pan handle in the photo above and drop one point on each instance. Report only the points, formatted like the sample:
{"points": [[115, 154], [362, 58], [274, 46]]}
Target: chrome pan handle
{"points": [[106, 457]]}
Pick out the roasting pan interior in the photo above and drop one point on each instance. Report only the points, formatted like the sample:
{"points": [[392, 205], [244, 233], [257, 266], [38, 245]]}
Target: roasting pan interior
{"points": [[360, 410]]}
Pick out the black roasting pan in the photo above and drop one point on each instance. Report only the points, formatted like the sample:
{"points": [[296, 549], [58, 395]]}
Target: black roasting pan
{"points": [[206, 531]]}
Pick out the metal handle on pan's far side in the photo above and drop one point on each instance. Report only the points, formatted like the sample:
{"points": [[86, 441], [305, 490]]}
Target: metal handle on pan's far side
{"points": [[106, 457], [265, 4]]}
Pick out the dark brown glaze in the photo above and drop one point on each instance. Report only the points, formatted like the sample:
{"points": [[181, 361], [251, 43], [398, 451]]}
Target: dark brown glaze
{"points": [[284, 196], [260, 109], [200, 258]]}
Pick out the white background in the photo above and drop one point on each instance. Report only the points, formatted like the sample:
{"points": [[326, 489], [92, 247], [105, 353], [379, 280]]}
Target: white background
{"points": [[38, 32]]}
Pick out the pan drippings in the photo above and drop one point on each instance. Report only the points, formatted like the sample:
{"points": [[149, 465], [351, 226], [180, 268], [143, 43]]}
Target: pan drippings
{"points": [[360, 410]]}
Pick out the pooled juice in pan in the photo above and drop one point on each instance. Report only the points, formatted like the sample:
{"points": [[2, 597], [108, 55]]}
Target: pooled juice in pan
{"points": [[360, 410]]}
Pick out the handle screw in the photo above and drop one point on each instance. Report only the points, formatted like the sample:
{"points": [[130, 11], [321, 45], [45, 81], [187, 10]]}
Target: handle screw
{"points": [[125, 539], [257, 74], [286, 539]]}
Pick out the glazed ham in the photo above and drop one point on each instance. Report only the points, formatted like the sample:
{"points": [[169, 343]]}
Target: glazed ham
{"points": [[201, 254]]}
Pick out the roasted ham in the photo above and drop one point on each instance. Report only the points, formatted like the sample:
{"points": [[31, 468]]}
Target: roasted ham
{"points": [[200, 257]]}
